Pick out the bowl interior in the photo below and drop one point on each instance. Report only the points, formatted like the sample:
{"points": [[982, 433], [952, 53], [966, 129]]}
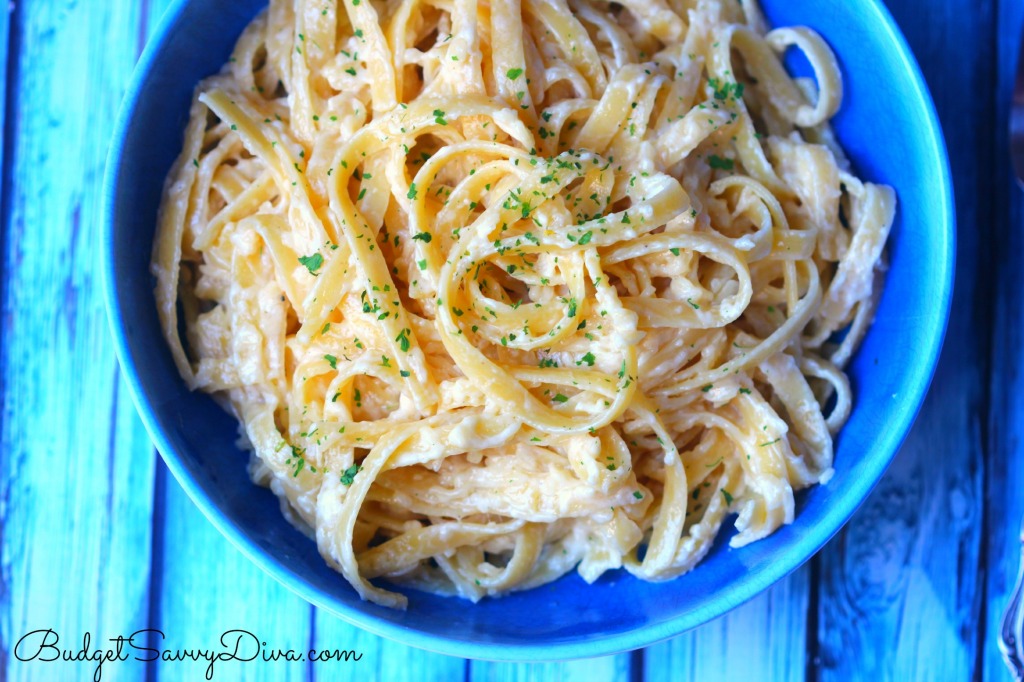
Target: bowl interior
{"points": [[887, 126]]}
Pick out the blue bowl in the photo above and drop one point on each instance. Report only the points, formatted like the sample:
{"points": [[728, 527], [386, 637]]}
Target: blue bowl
{"points": [[889, 129]]}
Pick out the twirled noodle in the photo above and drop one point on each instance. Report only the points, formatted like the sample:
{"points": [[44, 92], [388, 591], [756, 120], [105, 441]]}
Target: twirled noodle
{"points": [[502, 289]]}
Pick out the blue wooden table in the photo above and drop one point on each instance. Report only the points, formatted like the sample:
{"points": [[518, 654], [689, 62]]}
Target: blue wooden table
{"points": [[97, 538]]}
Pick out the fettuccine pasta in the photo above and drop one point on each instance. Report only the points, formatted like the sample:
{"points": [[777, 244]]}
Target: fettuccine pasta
{"points": [[502, 289]]}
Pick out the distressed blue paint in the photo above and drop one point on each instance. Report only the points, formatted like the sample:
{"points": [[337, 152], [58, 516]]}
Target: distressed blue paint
{"points": [[1005, 473], [605, 669], [911, 590], [900, 590], [5, 34], [210, 589], [766, 638], [384, 660], [75, 553]]}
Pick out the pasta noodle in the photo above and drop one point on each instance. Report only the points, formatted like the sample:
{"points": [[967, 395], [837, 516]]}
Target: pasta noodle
{"points": [[501, 289]]}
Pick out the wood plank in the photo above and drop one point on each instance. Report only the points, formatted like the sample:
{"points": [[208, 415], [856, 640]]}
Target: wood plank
{"points": [[208, 588], [5, 64], [76, 475], [383, 659], [605, 669], [1005, 468], [766, 638], [899, 591]]}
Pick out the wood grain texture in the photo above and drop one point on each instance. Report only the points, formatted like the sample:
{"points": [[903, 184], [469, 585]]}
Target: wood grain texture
{"points": [[383, 659], [900, 592], [606, 669], [1005, 470], [209, 588], [5, 36], [6, 183], [766, 638], [77, 467], [201, 600]]}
